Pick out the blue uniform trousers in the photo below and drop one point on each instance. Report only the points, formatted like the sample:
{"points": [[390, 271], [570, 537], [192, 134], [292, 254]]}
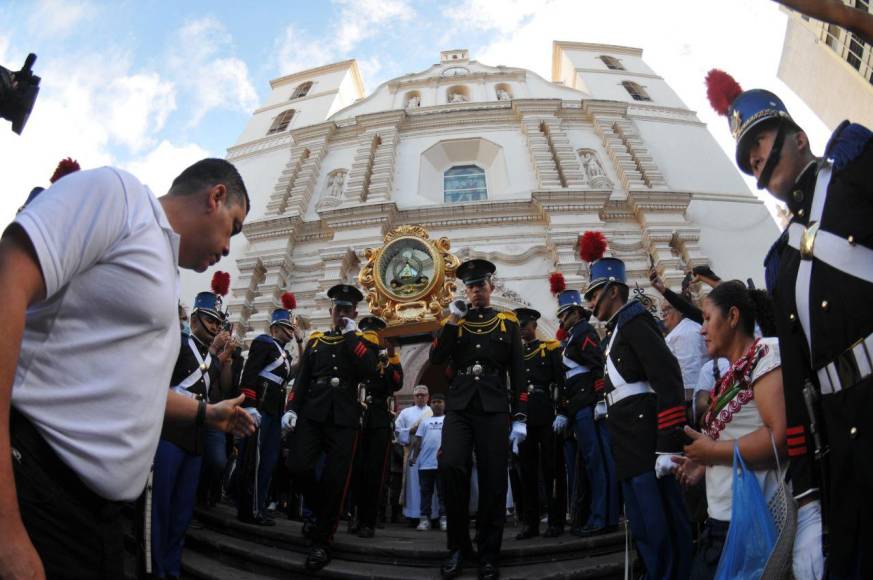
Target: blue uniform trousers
{"points": [[268, 439], [592, 439], [659, 525], [174, 491]]}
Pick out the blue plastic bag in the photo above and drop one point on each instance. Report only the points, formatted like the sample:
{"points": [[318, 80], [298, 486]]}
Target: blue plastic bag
{"points": [[752, 532]]}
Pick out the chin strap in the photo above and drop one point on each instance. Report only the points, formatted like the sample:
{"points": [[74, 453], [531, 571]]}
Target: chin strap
{"points": [[599, 300], [773, 158]]}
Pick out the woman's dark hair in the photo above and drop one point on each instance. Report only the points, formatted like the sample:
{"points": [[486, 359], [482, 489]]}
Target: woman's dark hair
{"points": [[753, 306]]}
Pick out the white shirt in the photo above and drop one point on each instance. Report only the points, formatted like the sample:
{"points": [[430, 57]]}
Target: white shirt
{"points": [[740, 417], [706, 380], [431, 433], [97, 354], [404, 422], [686, 344]]}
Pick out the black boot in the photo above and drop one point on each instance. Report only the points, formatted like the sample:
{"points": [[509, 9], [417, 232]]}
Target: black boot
{"points": [[317, 558], [453, 567]]}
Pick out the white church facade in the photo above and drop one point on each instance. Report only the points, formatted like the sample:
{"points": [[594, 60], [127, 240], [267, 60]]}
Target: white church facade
{"points": [[509, 166]]}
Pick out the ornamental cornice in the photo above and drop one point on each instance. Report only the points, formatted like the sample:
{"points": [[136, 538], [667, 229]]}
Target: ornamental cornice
{"points": [[600, 107], [291, 103], [616, 210], [664, 114], [535, 251], [259, 146], [473, 214], [572, 200], [436, 81], [461, 119], [381, 120], [359, 215], [659, 201], [530, 107], [271, 227], [313, 132]]}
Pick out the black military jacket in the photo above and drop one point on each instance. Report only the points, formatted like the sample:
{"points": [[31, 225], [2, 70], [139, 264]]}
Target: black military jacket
{"points": [[388, 381], [263, 392], [187, 364], [644, 424], [492, 340], [544, 377], [330, 355], [840, 315], [582, 346]]}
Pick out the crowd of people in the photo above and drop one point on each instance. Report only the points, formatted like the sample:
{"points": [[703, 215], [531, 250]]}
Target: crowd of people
{"points": [[632, 414]]}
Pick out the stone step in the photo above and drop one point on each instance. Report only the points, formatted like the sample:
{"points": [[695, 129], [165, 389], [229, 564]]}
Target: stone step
{"points": [[210, 555], [402, 544]]}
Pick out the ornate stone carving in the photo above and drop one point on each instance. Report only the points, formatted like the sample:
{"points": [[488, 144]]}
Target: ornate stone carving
{"points": [[457, 98], [413, 102], [333, 193], [503, 95], [593, 170]]}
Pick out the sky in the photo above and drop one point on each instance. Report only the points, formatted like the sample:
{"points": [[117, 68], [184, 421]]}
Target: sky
{"points": [[152, 86]]}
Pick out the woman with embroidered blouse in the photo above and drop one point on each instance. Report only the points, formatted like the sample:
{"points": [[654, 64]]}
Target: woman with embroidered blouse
{"points": [[746, 406]]}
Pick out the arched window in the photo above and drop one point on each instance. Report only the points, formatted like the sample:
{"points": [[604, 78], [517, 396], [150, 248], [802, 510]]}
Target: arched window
{"points": [[458, 94], [302, 90], [636, 91], [611, 62], [281, 122], [463, 183], [412, 100], [503, 92]]}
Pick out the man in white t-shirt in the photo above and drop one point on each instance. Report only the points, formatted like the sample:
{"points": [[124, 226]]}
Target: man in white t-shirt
{"points": [[685, 342], [428, 438], [405, 426], [89, 273]]}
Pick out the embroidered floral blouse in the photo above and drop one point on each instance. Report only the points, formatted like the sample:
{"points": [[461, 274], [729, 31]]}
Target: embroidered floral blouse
{"points": [[732, 414]]}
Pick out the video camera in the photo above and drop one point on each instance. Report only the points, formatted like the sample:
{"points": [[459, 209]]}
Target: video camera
{"points": [[18, 91]]}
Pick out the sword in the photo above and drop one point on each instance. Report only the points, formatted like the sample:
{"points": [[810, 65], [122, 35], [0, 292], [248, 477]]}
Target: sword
{"points": [[810, 400]]}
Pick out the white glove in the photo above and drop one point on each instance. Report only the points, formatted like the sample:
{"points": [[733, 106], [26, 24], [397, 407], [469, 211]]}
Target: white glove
{"points": [[600, 410], [808, 560], [458, 308], [514, 446], [559, 424], [289, 422], [664, 465], [350, 326], [519, 431], [183, 391], [255, 414]]}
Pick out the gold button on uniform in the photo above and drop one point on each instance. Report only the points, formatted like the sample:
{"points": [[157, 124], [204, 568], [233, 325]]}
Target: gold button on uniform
{"points": [[791, 316], [478, 346], [853, 432], [851, 240], [824, 305]]}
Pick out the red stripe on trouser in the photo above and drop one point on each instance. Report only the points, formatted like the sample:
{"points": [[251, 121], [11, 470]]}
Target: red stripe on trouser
{"points": [[673, 423], [794, 441], [795, 451], [671, 410], [794, 430], [342, 501]]}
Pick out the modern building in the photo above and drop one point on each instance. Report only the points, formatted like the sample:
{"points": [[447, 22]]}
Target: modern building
{"points": [[830, 68], [508, 165]]}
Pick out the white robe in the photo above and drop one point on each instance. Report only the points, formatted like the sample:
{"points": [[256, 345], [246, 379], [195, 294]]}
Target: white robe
{"points": [[408, 418]]}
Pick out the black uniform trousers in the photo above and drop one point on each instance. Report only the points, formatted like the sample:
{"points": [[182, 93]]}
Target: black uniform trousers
{"points": [[77, 534], [327, 495], [487, 434], [537, 453], [371, 470]]}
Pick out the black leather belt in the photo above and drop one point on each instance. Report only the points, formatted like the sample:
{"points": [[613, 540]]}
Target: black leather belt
{"points": [[537, 389], [478, 370], [334, 382]]}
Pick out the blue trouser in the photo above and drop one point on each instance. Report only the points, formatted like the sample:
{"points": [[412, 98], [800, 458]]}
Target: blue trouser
{"points": [[173, 494], [592, 439], [214, 462], [270, 438], [659, 525]]}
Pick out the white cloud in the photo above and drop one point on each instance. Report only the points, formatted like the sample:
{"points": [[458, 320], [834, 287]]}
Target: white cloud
{"points": [[504, 16], [161, 165], [58, 18], [201, 63], [359, 21]]}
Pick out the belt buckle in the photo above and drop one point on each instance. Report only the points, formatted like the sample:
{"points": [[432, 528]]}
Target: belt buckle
{"points": [[807, 240], [847, 368], [334, 382], [477, 370]]}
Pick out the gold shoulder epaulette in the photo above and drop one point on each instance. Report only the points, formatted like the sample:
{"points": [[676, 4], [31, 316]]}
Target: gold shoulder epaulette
{"points": [[553, 344], [371, 337], [510, 316]]}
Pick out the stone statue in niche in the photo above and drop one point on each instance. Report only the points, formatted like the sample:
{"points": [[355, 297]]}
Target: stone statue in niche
{"points": [[503, 95], [334, 190], [457, 98], [594, 172], [414, 102]]}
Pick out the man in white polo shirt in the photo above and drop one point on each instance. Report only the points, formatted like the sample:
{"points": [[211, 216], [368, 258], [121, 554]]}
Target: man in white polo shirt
{"points": [[89, 273]]}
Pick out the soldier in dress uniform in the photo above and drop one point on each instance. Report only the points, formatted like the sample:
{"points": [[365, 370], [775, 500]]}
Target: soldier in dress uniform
{"points": [[582, 404], [645, 399], [487, 393], [820, 273], [266, 374], [325, 399], [371, 463], [198, 370], [544, 380]]}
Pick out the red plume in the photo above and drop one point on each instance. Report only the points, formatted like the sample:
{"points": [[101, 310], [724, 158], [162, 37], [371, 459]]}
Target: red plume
{"points": [[721, 90], [561, 334], [221, 283], [289, 302], [592, 245], [65, 167], [557, 283]]}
